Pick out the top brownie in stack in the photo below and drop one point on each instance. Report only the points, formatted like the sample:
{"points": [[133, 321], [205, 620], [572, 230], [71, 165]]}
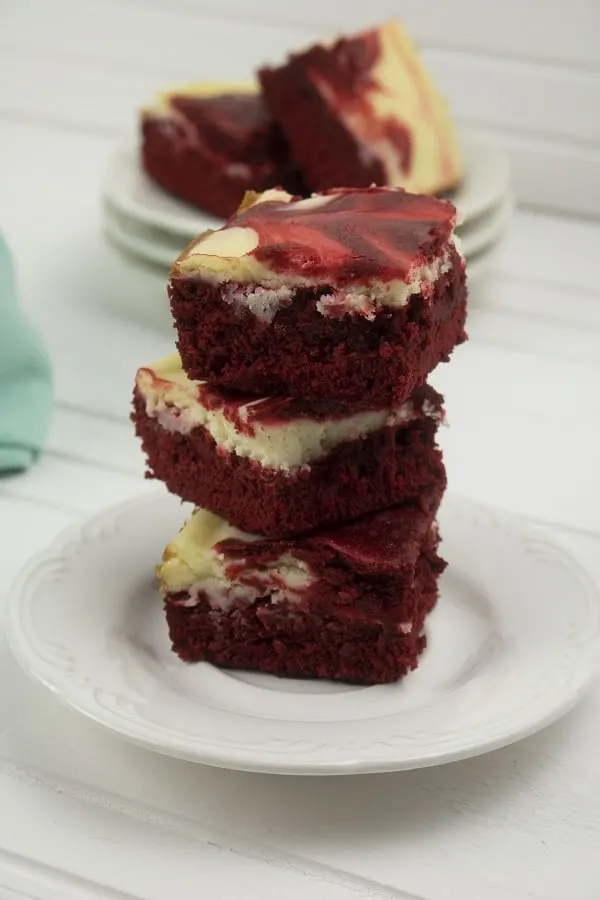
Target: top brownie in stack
{"points": [[363, 110], [353, 295]]}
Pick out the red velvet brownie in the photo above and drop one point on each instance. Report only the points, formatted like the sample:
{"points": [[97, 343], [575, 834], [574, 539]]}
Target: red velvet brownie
{"points": [[278, 466], [348, 603], [350, 295], [209, 144], [363, 110]]}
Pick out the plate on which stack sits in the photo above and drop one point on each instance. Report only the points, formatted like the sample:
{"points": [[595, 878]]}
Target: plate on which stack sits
{"points": [[141, 219], [512, 645]]}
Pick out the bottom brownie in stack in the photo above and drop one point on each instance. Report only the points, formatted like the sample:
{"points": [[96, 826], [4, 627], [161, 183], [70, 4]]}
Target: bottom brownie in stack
{"points": [[345, 603]]}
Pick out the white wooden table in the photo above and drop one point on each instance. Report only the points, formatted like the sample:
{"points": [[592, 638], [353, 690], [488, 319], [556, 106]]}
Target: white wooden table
{"points": [[84, 815]]}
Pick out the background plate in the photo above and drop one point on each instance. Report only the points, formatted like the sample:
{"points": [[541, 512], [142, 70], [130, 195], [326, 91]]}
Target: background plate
{"points": [[132, 193], [161, 248]]}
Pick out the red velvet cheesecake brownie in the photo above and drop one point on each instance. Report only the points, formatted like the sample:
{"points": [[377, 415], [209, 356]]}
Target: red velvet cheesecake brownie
{"points": [[209, 144], [278, 466], [347, 603], [351, 295], [363, 110]]}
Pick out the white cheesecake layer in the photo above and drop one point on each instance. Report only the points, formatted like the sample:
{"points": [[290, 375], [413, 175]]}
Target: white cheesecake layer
{"points": [[191, 564], [177, 404]]}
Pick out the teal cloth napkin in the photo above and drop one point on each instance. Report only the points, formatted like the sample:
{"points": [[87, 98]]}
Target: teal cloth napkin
{"points": [[25, 378]]}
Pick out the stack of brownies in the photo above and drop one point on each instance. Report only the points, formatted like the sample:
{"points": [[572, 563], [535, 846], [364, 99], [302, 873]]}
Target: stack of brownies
{"points": [[297, 418]]}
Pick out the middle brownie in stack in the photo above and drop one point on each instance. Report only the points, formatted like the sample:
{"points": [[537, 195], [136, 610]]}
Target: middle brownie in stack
{"points": [[280, 466], [299, 421]]}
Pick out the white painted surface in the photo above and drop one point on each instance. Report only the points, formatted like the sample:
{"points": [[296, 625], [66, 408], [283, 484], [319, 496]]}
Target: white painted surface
{"points": [[523, 400]]}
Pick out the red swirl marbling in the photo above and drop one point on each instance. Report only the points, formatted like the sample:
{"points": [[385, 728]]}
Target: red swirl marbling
{"points": [[355, 235]]}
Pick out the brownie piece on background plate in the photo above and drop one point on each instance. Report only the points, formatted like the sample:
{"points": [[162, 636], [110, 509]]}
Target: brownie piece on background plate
{"points": [[208, 144], [363, 110]]}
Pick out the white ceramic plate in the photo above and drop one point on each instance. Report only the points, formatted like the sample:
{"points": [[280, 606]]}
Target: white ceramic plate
{"points": [[478, 268], [144, 241], [132, 193], [512, 644], [486, 230]]}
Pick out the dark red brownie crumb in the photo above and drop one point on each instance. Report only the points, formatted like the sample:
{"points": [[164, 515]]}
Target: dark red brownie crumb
{"points": [[384, 468], [211, 150], [305, 354]]}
